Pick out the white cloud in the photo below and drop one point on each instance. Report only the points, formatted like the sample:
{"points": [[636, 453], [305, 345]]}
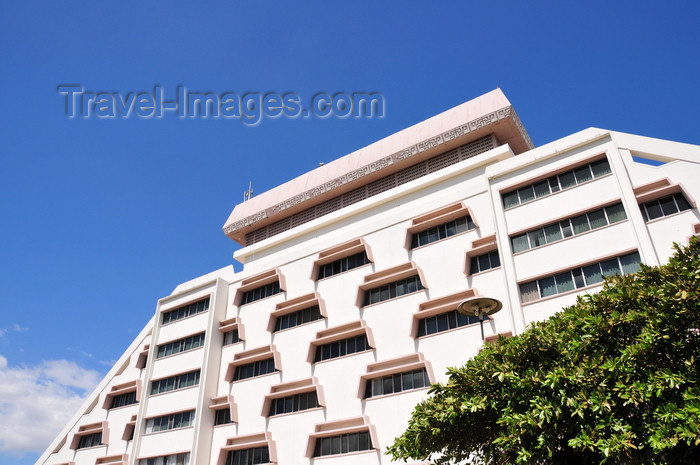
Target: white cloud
{"points": [[36, 402], [15, 327]]}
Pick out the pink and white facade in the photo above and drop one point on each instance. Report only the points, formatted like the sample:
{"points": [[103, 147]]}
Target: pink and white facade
{"points": [[318, 350]]}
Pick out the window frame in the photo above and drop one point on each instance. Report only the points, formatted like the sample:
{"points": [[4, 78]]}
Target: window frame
{"points": [[176, 381], [578, 277], [392, 367], [249, 441], [201, 338], [338, 333], [559, 186], [377, 280], [189, 310], [228, 326], [338, 428], [123, 389], [224, 402], [461, 225], [260, 367], [95, 440], [566, 226], [437, 218], [338, 253], [185, 459], [476, 260], [260, 281], [295, 305], [92, 430], [249, 358], [264, 456], [170, 419], [644, 209], [289, 389]]}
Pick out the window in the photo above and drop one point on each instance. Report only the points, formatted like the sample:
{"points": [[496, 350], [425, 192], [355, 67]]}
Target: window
{"points": [[185, 311], [181, 345], [391, 290], [231, 337], [90, 440], [257, 368], [298, 318], [295, 403], [341, 348], [125, 399], [569, 227], [442, 231], [664, 206], [556, 183], [444, 322], [485, 262], [579, 277], [251, 456], [342, 444], [222, 416], [175, 382], [398, 382], [343, 264], [261, 292], [172, 421], [175, 459]]}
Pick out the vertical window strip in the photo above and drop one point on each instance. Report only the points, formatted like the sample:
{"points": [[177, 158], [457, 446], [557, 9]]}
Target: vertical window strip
{"points": [[261, 292], [342, 265], [391, 290], [341, 348], [168, 422], [181, 345], [569, 227], [175, 382], [664, 206], [579, 277], [297, 318], [442, 231], [253, 369], [185, 311], [294, 403], [556, 183], [342, 444], [398, 382]]}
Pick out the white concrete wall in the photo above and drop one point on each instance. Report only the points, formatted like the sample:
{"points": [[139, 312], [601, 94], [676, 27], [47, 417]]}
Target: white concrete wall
{"points": [[382, 222]]}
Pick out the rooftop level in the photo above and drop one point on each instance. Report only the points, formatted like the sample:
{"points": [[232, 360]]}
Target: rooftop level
{"points": [[472, 127]]}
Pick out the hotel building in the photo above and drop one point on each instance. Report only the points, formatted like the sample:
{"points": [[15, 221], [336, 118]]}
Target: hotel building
{"points": [[345, 310]]}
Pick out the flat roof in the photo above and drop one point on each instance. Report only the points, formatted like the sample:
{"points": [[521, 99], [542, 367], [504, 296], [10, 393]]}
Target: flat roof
{"points": [[490, 113]]}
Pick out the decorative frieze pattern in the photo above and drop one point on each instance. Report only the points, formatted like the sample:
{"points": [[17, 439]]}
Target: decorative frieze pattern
{"points": [[381, 164]]}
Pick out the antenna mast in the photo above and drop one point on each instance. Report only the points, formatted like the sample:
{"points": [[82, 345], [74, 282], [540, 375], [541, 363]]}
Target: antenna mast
{"points": [[249, 193]]}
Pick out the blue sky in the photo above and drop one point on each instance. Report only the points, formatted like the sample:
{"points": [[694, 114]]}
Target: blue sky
{"points": [[101, 217]]}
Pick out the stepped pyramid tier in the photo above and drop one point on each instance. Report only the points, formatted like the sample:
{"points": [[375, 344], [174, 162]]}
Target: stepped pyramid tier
{"points": [[347, 305]]}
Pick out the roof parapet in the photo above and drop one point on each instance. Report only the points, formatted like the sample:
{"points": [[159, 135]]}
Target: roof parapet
{"points": [[488, 114]]}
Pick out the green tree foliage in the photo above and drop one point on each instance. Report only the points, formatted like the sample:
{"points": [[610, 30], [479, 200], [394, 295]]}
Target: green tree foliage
{"points": [[612, 379]]}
